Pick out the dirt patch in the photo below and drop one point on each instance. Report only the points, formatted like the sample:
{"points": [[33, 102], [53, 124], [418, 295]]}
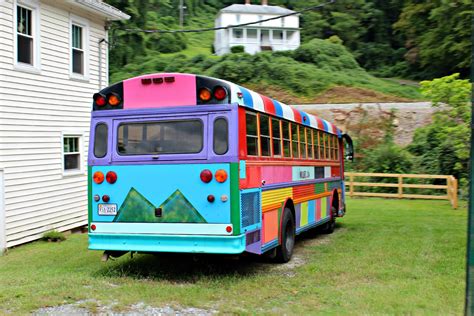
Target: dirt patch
{"points": [[340, 94], [78, 309]]}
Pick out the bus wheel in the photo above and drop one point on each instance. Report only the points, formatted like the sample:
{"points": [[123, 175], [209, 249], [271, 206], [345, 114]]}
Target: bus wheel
{"points": [[331, 225], [285, 250]]}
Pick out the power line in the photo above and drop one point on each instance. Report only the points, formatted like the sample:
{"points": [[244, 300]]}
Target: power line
{"points": [[315, 7]]}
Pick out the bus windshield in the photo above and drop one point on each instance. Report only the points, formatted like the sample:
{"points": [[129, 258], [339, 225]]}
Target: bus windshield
{"points": [[164, 137]]}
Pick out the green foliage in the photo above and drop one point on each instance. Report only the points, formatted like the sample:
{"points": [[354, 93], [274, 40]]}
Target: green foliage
{"points": [[54, 236], [237, 49], [443, 146]]}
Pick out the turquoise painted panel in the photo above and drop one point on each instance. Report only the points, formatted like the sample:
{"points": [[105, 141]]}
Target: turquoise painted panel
{"points": [[177, 188], [242, 169], [311, 211], [168, 243]]}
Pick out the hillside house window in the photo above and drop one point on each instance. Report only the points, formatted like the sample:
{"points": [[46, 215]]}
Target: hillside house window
{"points": [[71, 153], [25, 39], [252, 34], [77, 50], [238, 34]]}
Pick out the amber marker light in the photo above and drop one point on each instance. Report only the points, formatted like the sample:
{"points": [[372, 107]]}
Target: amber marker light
{"points": [[205, 94], [114, 100], [98, 177], [220, 176]]}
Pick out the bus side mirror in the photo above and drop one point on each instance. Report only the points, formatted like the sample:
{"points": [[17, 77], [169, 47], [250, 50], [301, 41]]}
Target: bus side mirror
{"points": [[349, 147]]}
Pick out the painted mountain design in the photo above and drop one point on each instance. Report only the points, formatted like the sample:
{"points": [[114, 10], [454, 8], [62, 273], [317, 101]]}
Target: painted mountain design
{"points": [[175, 209]]}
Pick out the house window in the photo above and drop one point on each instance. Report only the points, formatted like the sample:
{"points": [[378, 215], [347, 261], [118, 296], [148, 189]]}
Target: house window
{"points": [[277, 35], [238, 33], [77, 50], [25, 39], [72, 153], [237, 18], [252, 33]]}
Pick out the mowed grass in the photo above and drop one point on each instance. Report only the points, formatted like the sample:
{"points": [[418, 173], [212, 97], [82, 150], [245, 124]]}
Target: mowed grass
{"points": [[386, 256]]}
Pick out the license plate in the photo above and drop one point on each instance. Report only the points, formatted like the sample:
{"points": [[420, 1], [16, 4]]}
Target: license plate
{"points": [[107, 209]]}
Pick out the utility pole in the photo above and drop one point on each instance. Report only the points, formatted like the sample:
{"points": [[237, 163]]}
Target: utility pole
{"points": [[181, 13]]}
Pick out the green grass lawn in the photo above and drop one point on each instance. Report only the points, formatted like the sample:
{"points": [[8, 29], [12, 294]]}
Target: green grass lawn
{"points": [[387, 256]]}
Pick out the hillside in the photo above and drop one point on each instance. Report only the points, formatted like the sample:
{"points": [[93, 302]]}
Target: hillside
{"points": [[295, 78]]}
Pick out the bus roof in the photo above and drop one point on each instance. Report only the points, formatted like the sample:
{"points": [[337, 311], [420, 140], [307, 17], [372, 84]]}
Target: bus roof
{"points": [[178, 89]]}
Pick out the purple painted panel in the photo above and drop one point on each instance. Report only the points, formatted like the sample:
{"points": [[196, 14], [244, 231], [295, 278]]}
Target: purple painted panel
{"points": [[297, 214], [113, 117], [254, 248]]}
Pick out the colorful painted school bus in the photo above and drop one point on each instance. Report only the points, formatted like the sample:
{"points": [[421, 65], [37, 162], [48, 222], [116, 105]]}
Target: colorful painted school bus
{"points": [[187, 163]]}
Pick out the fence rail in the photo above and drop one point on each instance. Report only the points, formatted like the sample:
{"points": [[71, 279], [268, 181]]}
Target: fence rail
{"points": [[451, 186]]}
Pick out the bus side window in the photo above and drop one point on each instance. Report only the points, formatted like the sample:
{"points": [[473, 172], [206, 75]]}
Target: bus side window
{"points": [[303, 148], [316, 145], [294, 140], [276, 137], [252, 137], [265, 135], [286, 139], [100, 140], [221, 136], [309, 135]]}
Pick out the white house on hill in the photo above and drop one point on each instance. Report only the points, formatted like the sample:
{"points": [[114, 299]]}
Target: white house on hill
{"points": [[53, 57], [275, 35]]}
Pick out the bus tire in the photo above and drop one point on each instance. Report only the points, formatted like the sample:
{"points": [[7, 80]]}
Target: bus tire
{"points": [[331, 225], [288, 236]]}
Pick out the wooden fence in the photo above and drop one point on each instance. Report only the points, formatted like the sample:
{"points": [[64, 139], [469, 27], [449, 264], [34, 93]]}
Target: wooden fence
{"points": [[451, 186]]}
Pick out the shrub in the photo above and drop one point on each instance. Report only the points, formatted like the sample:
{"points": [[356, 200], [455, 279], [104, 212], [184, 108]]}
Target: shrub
{"points": [[237, 49], [53, 236]]}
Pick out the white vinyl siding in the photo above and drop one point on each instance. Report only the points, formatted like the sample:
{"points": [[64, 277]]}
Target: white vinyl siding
{"points": [[37, 109]]}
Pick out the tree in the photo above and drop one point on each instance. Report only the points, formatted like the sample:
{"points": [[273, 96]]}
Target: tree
{"points": [[443, 146]]}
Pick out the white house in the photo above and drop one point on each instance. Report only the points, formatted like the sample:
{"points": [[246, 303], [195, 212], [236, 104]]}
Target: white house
{"points": [[53, 57], [275, 35]]}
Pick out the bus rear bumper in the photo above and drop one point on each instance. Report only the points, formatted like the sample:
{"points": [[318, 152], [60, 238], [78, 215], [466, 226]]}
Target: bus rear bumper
{"points": [[167, 243]]}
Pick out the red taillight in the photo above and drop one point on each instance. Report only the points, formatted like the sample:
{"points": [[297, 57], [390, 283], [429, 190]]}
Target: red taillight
{"points": [[105, 198], [98, 177], [221, 175], [228, 229], [111, 177], [206, 175], [220, 93], [100, 99], [211, 198], [93, 227]]}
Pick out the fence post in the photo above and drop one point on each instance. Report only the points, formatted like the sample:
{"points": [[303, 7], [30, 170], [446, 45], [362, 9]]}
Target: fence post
{"points": [[449, 190], [351, 186], [455, 193], [400, 186]]}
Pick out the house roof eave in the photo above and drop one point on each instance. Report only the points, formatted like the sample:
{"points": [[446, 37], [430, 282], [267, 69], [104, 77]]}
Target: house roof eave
{"points": [[104, 9]]}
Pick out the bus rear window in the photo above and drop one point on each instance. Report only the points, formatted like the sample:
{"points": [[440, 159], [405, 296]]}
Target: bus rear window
{"points": [[100, 140], [166, 137]]}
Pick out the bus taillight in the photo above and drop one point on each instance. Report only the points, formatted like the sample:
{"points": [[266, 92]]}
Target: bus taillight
{"points": [[99, 99], [111, 177], [113, 99], [220, 93], [98, 177], [206, 175], [205, 94], [221, 176]]}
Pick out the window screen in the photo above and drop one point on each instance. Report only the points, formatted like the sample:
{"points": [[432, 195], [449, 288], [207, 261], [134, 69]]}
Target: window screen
{"points": [[24, 35], [166, 137], [72, 154]]}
